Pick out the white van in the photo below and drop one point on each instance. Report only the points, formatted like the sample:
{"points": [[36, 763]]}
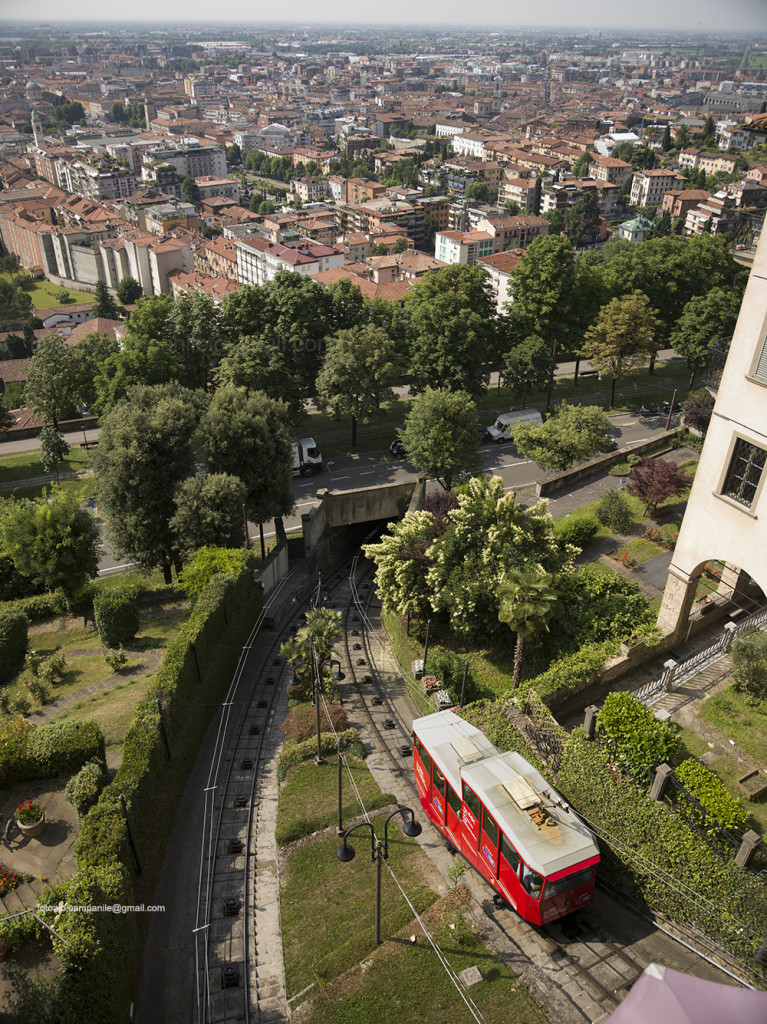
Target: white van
{"points": [[503, 426]]}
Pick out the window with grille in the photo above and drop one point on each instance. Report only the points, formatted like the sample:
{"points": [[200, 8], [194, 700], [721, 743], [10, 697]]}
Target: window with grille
{"points": [[745, 471]]}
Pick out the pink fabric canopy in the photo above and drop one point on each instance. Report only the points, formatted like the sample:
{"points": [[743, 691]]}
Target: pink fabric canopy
{"points": [[664, 996]]}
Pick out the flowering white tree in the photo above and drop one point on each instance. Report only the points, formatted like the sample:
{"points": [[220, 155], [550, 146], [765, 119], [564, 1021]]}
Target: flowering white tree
{"points": [[401, 564]]}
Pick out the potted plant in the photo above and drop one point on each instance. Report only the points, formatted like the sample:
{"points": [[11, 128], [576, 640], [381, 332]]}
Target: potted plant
{"points": [[30, 817]]}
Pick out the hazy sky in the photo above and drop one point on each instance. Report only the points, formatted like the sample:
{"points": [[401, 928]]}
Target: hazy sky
{"points": [[694, 15]]}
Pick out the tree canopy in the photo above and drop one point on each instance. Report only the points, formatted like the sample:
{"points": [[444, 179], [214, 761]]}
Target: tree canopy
{"points": [[440, 435], [624, 336], [144, 453], [51, 541], [451, 336], [51, 388], [572, 433]]}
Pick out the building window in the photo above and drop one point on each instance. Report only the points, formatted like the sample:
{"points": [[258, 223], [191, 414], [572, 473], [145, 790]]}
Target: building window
{"points": [[745, 472], [760, 370]]}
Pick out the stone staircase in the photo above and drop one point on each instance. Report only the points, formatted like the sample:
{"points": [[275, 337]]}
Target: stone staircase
{"points": [[24, 897]]}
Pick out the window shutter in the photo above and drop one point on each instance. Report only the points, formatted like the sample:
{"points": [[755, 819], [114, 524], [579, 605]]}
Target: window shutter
{"points": [[760, 370]]}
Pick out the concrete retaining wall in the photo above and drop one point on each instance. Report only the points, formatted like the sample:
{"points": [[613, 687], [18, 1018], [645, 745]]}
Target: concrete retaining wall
{"points": [[273, 568], [554, 482], [342, 508]]}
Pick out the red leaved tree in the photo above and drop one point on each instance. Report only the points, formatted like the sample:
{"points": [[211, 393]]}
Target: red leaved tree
{"points": [[655, 481]]}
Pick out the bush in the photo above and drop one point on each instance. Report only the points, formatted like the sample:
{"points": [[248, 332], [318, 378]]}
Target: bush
{"points": [[614, 511], [749, 658], [448, 668], [208, 562], [572, 673], [633, 737], [41, 606], [301, 722], [580, 530], [14, 764], [116, 659], [39, 690], [722, 810], [84, 789], [117, 616], [294, 753], [13, 642], [63, 747]]}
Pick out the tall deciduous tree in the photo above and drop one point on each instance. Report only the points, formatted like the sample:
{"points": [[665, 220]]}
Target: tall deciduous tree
{"points": [[450, 330], [257, 365], [105, 305], [138, 362], [544, 293], [572, 433], [144, 453], [53, 449], [704, 320], [51, 540], [15, 304], [527, 367], [527, 601], [209, 512], [90, 354], [246, 434], [198, 337], [486, 537], [622, 338], [360, 369], [401, 564], [440, 435], [51, 386], [582, 221]]}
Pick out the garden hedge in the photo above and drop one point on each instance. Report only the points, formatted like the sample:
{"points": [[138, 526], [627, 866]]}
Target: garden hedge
{"points": [[152, 784], [117, 616], [13, 642], [83, 789], [60, 747], [572, 673]]}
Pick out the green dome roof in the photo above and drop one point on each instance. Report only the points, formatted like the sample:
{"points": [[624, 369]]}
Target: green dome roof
{"points": [[33, 85]]}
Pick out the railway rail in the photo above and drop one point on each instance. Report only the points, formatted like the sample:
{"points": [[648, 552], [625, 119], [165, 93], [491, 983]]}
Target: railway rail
{"points": [[236, 976]]}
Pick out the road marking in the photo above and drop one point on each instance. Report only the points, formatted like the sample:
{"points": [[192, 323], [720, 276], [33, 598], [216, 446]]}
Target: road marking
{"points": [[368, 472], [115, 568], [339, 478], [516, 487], [300, 504]]}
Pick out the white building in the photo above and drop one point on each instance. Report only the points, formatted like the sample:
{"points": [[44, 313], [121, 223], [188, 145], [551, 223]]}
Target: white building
{"points": [[464, 247], [259, 261], [726, 517], [648, 187]]}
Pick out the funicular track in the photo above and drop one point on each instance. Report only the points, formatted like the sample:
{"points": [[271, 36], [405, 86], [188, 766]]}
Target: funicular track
{"points": [[236, 976]]}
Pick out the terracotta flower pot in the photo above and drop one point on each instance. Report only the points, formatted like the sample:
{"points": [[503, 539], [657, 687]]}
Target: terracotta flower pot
{"points": [[33, 830]]}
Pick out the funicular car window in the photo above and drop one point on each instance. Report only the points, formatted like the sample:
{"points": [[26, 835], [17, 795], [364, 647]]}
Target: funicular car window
{"points": [[509, 854], [454, 800], [490, 829], [471, 800], [532, 881], [438, 780], [426, 760], [569, 882]]}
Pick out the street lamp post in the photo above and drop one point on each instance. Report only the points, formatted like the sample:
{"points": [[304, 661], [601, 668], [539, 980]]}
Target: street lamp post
{"points": [[379, 851]]}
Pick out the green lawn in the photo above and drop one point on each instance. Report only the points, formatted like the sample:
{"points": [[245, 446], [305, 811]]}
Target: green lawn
{"points": [[406, 981], [113, 709], [642, 550], [42, 294], [26, 465], [738, 719]]}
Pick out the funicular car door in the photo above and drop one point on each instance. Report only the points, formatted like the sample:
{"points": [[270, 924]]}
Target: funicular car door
{"points": [[453, 817], [437, 795], [470, 812]]}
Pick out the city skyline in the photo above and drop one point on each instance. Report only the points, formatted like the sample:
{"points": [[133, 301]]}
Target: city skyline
{"points": [[654, 16]]}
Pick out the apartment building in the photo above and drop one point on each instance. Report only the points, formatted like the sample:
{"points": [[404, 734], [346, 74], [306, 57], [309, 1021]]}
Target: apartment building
{"points": [[500, 268], [190, 160], [259, 261], [464, 247], [649, 187], [610, 168]]}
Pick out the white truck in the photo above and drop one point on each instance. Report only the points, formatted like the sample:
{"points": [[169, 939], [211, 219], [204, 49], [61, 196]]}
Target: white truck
{"points": [[307, 458], [502, 428]]}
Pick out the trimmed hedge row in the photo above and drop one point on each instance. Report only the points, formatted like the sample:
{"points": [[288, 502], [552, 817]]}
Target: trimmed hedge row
{"points": [[572, 673], [40, 752], [13, 642], [671, 869], [112, 944], [117, 616]]}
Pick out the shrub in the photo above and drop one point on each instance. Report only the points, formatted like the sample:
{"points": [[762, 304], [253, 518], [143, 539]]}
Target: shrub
{"points": [[721, 809], [749, 658], [13, 642], [301, 722], [19, 704], [117, 616], [294, 753], [39, 690], [14, 764], [84, 789], [614, 511], [29, 812], [447, 667], [580, 530], [52, 668], [208, 562], [63, 747], [40, 606], [572, 673], [633, 737], [116, 659]]}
